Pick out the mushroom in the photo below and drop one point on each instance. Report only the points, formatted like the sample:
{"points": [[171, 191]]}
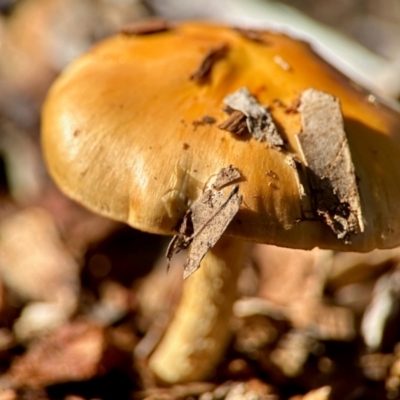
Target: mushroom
{"points": [[133, 130]]}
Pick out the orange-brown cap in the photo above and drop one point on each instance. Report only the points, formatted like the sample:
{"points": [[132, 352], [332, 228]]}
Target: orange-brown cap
{"points": [[132, 131]]}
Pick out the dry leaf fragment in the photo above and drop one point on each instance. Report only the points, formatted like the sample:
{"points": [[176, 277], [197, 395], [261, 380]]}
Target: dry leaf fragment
{"points": [[206, 220], [226, 176], [211, 57], [259, 120], [236, 123], [76, 352], [327, 155], [210, 216]]}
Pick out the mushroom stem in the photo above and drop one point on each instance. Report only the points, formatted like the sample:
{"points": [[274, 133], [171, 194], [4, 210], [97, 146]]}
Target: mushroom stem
{"points": [[199, 331]]}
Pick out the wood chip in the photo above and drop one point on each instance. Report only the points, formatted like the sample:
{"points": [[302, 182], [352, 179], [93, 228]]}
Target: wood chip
{"points": [[203, 71], [236, 124], [326, 152], [226, 176], [206, 220], [146, 27], [259, 120]]}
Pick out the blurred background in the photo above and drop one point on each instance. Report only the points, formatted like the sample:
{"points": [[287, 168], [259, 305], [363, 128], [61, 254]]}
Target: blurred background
{"points": [[308, 325]]}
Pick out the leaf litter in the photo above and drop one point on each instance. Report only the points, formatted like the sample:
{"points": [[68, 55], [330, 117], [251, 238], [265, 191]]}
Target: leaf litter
{"points": [[327, 182], [258, 119], [206, 220], [236, 123]]}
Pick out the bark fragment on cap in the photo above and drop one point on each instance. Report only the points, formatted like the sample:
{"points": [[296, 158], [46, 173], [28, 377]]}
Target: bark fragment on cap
{"points": [[259, 120], [326, 152], [206, 220], [236, 123], [202, 72], [226, 176]]}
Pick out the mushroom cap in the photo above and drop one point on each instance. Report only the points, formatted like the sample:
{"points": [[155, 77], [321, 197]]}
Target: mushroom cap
{"points": [[125, 134]]}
